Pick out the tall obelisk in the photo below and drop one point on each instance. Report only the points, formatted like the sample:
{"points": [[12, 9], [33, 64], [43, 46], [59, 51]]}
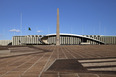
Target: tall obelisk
{"points": [[57, 29]]}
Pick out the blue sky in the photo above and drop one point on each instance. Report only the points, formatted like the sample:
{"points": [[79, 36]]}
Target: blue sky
{"points": [[83, 17]]}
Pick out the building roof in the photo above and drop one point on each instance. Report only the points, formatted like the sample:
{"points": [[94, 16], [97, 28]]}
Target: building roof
{"points": [[75, 35]]}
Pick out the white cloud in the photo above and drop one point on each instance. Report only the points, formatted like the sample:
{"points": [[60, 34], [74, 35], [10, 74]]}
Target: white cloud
{"points": [[14, 30], [39, 31]]}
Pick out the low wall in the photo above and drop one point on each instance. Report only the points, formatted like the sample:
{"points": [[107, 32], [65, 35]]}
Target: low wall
{"points": [[4, 51], [5, 42]]}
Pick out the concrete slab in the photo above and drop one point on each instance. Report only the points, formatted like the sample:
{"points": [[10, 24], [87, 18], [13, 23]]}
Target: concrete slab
{"points": [[87, 75], [103, 69], [106, 75], [67, 65], [99, 64], [97, 60], [4, 51]]}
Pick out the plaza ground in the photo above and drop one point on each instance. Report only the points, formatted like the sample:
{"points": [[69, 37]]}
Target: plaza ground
{"points": [[59, 61]]}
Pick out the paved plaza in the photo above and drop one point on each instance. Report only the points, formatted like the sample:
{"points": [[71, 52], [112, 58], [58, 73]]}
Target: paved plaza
{"points": [[59, 61]]}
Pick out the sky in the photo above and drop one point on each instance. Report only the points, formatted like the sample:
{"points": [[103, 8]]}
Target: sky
{"points": [[81, 17]]}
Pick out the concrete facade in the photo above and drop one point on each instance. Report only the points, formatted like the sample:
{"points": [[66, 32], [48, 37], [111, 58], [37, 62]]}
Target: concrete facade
{"points": [[5, 42], [26, 40], [71, 39], [65, 39]]}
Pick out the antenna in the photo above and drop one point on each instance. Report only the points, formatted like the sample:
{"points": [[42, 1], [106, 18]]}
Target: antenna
{"points": [[20, 29], [48, 29], [71, 29], [71, 35], [14, 31], [21, 24], [82, 29], [99, 28]]}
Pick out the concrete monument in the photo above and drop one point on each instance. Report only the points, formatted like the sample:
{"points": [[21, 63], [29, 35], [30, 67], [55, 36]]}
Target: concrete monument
{"points": [[57, 29]]}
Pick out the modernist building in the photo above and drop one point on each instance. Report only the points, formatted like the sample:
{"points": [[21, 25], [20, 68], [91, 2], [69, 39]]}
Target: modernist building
{"points": [[26, 40], [65, 39], [72, 39]]}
